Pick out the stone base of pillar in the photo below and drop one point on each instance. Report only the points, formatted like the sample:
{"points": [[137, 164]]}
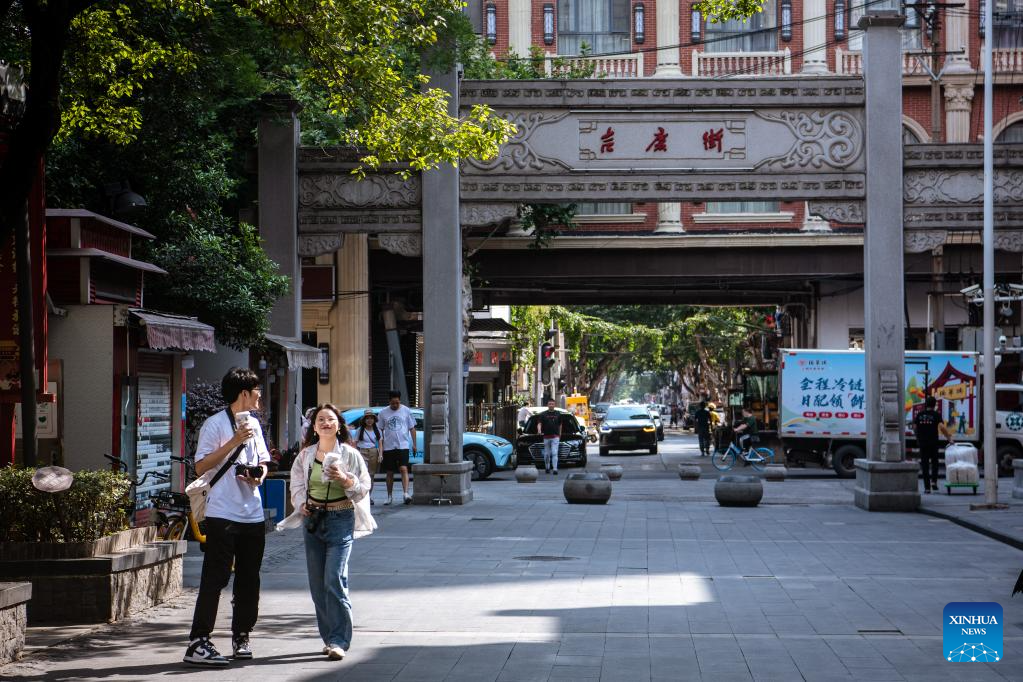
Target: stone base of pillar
{"points": [[887, 486], [668, 228], [457, 480], [815, 67]]}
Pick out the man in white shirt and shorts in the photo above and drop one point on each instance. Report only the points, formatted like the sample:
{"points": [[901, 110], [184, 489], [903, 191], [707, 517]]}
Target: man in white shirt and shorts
{"points": [[235, 531], [398, 427]]}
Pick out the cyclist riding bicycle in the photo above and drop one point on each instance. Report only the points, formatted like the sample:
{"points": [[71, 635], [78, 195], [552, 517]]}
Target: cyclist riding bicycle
{"points": [[746, 430]]}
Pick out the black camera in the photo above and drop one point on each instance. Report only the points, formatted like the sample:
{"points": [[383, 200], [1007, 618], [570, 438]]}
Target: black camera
{"points": [[314, 518], [245, 470]]}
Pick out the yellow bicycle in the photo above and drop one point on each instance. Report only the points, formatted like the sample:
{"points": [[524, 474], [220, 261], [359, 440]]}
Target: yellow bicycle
{"points": [[174, 513]]}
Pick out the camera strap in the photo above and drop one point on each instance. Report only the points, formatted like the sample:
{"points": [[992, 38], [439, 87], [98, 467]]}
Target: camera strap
{"points": [[231, 460]]}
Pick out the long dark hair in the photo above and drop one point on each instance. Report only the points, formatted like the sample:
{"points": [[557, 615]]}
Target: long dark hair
{"points": [[312, 437], [362, 426]]}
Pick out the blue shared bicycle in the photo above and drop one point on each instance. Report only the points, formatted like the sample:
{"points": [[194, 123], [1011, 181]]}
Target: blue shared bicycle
{"points": [[758, 458]]}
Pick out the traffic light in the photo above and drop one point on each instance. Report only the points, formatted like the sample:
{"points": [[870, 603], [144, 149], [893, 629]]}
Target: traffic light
{"points": [[546, 362]]}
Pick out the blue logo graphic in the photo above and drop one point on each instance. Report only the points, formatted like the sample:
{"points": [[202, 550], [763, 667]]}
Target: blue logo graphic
{"points": [[972, 632]]}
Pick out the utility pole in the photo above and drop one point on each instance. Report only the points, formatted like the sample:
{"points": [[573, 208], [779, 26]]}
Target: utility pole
{"points": [[988, 383]]}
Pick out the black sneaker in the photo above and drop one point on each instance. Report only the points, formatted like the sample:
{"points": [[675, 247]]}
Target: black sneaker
{"points": [[202, 652], [240, 645]]}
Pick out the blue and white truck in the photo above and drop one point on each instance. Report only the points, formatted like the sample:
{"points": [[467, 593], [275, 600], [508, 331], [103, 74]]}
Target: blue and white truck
{"points": [[822, 404]]}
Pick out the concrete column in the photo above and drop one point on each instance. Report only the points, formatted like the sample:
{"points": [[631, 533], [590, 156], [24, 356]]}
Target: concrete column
{"points": [[958, 104], [520, 26], [668, 34], [278, 133], [350, 320], [957, 38], [815, 36], [884, 480], [669, 218], [442, 331]]}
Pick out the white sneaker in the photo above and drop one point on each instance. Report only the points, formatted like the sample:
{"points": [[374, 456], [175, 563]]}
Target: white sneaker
{"points": [[408, 499], [335, 653], [202, 652], [389, 500]]}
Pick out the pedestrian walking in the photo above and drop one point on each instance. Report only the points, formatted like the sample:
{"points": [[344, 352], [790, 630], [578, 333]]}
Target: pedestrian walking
{"points": [[549, 426], [523, 416], [330, 486], [674, 415], [927, 424], [398, 428], [702, 422], [370, 444], [235, 530]]}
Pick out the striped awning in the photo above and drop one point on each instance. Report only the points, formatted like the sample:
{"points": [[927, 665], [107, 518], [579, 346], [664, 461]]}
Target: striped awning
{"points": [[298, 354], [164, 330]]}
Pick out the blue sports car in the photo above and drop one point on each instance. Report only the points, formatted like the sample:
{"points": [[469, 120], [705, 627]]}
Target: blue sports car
{"points": [[486, 452]]}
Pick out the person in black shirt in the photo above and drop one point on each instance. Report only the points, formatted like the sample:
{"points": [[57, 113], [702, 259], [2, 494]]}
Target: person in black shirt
{"points": [[702, 419], [549, 426], [928, 424]]}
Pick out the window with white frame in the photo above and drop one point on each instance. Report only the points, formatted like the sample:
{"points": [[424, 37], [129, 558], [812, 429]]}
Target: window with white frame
{"points": [[602, 25], [756, 34], [585, 208], [912, 32], [1007, 18], [742, 207], [1014, 133]]}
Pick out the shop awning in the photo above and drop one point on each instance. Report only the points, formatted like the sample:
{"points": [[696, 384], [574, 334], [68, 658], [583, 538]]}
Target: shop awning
{"points": [[299, 355], [164, 330]]}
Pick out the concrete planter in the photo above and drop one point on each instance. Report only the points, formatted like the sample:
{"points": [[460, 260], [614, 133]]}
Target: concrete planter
{"points": [[775, 472], [97, 582], [13, 621], [526, 474], [587, 488], [736, 490], [1017, 479], [613, 471], [689, 472]]}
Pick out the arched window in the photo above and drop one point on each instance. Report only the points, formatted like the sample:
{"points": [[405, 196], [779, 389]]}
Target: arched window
{"points": [[1014, 133], [908, 136]]}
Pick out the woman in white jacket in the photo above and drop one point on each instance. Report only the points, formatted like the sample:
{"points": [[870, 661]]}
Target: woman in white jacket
{"points": [[329, 490]]}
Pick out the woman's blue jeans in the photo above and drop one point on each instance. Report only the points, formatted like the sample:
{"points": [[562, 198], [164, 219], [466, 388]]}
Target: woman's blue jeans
{"points": [[327, 549]]}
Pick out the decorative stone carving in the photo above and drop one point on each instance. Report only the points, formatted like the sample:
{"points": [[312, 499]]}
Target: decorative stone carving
{"points": [[310, 245], [1009, 240], [921, 241], [891, 417], [408, 245], [336, 190], [960, 186], [833, 139], [484, 215], [958, 97], [439, 392], [518, 153], [839, 211]]}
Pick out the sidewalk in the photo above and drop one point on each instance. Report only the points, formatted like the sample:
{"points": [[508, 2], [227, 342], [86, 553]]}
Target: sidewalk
{"points": [[660, 584]]}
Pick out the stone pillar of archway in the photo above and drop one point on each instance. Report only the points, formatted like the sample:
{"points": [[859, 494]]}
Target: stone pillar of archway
{"points": [[669, 213], [815, 36], [958, 103]]}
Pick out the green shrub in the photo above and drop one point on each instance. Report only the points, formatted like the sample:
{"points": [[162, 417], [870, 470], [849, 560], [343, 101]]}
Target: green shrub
{"points": [[94, 506]]}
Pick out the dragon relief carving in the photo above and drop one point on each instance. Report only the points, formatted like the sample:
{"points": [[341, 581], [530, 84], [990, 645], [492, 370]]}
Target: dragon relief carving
{"points": [[333, 190], [833, 139], [519, 153]]}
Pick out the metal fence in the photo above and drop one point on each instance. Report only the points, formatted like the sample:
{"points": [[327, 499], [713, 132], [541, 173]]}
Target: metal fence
{"points": [[494, 418]]}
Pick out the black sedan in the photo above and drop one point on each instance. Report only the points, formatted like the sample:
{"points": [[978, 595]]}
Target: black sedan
{"points": [[628, 427], [571, 449]]}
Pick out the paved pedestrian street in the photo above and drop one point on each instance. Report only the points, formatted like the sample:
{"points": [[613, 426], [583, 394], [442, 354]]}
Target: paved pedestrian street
{"points": [[660, 584]]}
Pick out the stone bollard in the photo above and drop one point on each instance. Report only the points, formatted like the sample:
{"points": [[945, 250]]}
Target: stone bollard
{"points": [[775, 472], [587, 488], [736, 490], [613, 471], [526, 474], [689, 472], [1017, 479]]}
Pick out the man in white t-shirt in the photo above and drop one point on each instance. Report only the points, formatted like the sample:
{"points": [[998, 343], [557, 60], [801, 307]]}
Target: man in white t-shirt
{"points": [[235, 532], [398, 427]]}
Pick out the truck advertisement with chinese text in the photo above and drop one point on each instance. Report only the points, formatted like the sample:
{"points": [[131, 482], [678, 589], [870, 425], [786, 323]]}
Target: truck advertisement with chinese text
{"points": [[823, 392]]}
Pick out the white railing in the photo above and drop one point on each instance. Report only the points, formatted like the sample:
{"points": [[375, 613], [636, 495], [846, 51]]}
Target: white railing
{"points": [[850, 63], [1007, 59], [739, 64], [616, 66]]}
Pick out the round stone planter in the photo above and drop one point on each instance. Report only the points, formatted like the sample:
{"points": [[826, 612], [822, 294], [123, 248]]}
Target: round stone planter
{"points": [[613, 471], [735, 490], [587, 488], [526, 474], [775, 472], [689, 472]]}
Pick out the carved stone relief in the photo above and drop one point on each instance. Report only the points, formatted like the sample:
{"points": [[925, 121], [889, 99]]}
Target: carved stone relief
{"points": [[823, 139], [1009, 240], [960, 187], [839, 211], [519, 153], [921, 241], [310, 245], [482, 215], [336, 190], [408, 245]]}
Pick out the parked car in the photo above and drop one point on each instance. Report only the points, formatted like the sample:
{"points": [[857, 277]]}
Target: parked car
{"points": [[571, 449], [655, 415], [488, 453], [599, 410], [628, 427]]}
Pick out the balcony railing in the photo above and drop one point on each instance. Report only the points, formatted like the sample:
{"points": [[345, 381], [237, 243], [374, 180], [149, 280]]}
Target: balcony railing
{"points": [[617, 66], [850, 63], [1007, 59], [740, 64]]}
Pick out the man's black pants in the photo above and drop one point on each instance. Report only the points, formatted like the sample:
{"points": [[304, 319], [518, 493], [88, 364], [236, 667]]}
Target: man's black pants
{"points": [[704, 437], [229, 542], [929, 454]]}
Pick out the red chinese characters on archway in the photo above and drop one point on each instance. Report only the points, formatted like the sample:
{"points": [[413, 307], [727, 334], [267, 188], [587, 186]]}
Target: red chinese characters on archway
{"points": [[660, 141], [712, 139], [607, 141]]}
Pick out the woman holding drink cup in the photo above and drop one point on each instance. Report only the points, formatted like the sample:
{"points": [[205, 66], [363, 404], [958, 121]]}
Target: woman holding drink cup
{"points": [[330, 491]]}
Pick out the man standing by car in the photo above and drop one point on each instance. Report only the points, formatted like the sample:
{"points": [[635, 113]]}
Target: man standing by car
{"points": [[927, 424], [549, 426], [235, 531], [399, 431], [702, 420]]}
